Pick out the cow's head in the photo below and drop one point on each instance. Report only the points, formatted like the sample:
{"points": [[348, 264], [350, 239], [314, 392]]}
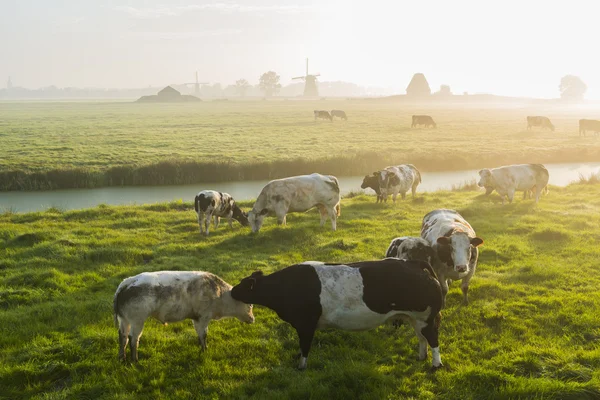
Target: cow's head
{"points": [[411, 249], [371, 181], [247, 291], [488, 190], [240, 216], [486, 179], [255, 218], [455, 250], [551, 126]]}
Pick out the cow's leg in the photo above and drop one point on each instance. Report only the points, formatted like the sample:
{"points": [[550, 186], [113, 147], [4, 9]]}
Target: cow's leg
{"points": [[403, 194], [323, 212], [510, 194], [201, 221], [418, 326], [124, 328], [414, 190], [431, 333], [207, 221], [201, 326], [306, 336], [333, 215], [464, 285], [217, 221], [230, 220], [134, 339]]}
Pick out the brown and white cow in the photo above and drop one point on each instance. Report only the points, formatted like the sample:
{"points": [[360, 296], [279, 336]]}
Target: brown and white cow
{"points": [[422, 120], [589, 125], [297, 194], [209, 204], [455, 245], [171, 296], [357, 296], [398, 179], [323, 115], [539, 121], [522, 177]]}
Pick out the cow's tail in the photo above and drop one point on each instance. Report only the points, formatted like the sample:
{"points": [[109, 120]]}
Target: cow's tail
{"points": [[338, 209], [417, 173], [116, 308], [197, 202], [425, 266]]}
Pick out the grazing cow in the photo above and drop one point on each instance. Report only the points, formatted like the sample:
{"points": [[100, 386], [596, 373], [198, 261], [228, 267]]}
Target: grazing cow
{"points": [[357, 296], [411, 248], [209, 203], [508, 179], [455, 245], [399, 179], [323, 115], [297, 194], [171, 296], [422, 120], [542, 122], [589, 125], [340, 114], [372, 181]]}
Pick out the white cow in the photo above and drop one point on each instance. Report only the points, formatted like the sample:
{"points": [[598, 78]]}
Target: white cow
{"points": [[171, 296], [399, 179], [455, 245], [297, 194], [209, 204], [508, 179]]}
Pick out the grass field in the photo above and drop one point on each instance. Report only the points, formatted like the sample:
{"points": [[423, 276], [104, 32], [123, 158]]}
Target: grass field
{"points": [[532, 330], [87, 144]]}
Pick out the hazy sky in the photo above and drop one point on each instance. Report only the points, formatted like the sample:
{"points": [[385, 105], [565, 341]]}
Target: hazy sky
{"points": [[508, 47]]}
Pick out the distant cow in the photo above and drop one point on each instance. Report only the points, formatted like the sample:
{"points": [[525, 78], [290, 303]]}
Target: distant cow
{"points": [[339, 113], [323, 115], [171, 296], [297, 194], [209, 203], [508, 179], [358, 296], [589, 125], [542, 122], [372, 181], [455, 245], [411, 248], [398, 179], [423, 120]]}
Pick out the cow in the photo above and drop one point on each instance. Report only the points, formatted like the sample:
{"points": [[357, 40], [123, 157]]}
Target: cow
{"points": [[508, 179], [542, 122], [209, 204], [323, 115], [589, 125], [422, 120], [411, 248], [398, 179], [455, 245], [340, 114], [171, 296], [297, 194], [372, 181], [357, 296]]}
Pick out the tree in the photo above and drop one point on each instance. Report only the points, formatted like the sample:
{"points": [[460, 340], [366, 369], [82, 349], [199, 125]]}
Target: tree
{"points": [[418, 86], [241, 87], [572, 88], [269, 83]]}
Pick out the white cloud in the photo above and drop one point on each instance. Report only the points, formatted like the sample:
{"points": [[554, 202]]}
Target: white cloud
{"points": [[157, 12]]}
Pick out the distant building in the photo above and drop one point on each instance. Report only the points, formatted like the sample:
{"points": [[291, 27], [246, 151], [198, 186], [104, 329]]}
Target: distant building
{"points": [[168, 95]]}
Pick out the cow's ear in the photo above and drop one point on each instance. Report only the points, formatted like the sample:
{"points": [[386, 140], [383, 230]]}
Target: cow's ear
{"points": [[264, 211], [443, 240], [476, 241]]}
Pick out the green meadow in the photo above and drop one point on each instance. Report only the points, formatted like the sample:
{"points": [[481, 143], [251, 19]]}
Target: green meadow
{"points": [[531, 331], [49, 145]]}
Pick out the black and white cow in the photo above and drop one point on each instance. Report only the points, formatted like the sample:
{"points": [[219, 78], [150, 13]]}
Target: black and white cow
{"points": [[297, 194], [323, 115], [411, 248], [171, 296], [358, 296], [209, 204], [398, 179], [372, 181], [455, 245], [340, 114]]}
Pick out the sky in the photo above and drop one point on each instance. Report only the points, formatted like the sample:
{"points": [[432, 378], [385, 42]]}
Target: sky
{"points": [[514, 48]]}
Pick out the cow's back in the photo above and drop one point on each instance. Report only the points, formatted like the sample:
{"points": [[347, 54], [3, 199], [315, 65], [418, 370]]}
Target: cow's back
{"points": [[440, 222]]}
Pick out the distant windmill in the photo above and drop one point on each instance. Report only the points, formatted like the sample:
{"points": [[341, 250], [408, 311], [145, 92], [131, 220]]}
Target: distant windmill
{"points": [[310, 86], [196, 85]]}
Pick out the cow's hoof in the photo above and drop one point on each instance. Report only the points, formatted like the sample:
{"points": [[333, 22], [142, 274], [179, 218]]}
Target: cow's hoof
{"points": [[436, 368]]}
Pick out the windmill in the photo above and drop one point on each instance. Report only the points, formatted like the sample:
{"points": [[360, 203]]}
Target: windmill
{"points": [[310, 86], [196, 85]]}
